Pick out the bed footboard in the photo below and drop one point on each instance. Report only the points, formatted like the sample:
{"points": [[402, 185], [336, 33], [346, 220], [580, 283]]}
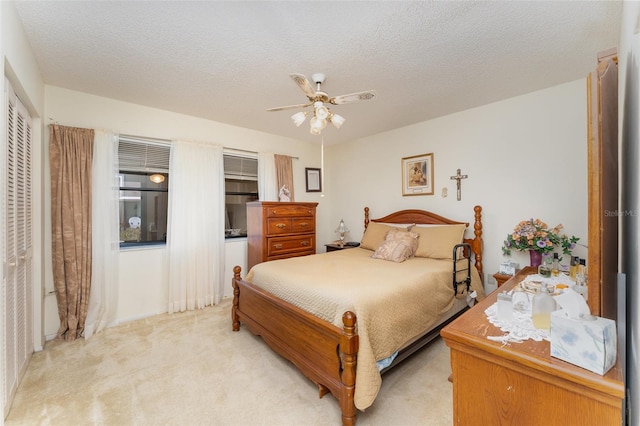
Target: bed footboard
{"points": [[324, 353]]}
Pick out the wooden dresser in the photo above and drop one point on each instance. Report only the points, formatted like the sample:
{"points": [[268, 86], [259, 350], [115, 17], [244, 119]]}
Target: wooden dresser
{"points": [[521, 383], [279, 230]]}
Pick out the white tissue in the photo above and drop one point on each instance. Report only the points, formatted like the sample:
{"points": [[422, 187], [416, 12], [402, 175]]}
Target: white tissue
{"points": [[471, 298], [574, 305]]}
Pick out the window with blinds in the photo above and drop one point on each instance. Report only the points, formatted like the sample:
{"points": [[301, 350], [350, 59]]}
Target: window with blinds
{"points": [[144, 190], [241, 186]]}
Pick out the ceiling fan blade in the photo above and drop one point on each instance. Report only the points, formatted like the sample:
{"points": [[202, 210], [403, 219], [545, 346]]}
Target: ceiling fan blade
{"points": [[304, 84], [289, 107], [353, 97]]}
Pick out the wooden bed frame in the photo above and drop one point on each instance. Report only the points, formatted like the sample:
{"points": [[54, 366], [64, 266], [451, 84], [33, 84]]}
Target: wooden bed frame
{"points": [[323, 352]]}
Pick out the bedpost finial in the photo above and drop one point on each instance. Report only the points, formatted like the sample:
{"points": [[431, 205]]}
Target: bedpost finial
{"points": [[366, 217], [349, 319]]}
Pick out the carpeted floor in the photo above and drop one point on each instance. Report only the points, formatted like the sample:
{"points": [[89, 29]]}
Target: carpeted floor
{"points": [[191, 369]]}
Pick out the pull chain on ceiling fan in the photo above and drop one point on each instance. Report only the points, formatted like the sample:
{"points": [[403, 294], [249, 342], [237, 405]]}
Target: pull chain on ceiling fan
{"points": [[321, 113]]}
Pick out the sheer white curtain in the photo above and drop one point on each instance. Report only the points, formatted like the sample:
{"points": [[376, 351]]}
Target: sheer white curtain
{"points": [[267, 178], [195, 234], [105, 239]]}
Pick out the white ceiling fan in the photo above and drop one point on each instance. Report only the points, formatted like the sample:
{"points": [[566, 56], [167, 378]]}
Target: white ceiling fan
{"points": [[318, 98]]}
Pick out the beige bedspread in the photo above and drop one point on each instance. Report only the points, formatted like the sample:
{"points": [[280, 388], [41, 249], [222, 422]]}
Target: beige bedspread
{"points": [[393, 302]]}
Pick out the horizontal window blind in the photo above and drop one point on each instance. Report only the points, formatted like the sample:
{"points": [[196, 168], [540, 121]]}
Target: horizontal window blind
{"points": [[240, 168], [143, 155]]}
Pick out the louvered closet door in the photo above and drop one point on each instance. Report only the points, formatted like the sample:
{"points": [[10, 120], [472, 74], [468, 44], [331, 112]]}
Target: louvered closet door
{"points": [[17, 251]]}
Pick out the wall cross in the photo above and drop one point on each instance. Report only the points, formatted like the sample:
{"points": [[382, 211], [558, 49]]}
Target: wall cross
{"points": [[458, 177]]}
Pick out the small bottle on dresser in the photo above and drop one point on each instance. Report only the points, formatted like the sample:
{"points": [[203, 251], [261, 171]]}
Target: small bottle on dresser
{"points": [[555, 266], [581, 278], [545, 267], [573, 268], [541, 308]]}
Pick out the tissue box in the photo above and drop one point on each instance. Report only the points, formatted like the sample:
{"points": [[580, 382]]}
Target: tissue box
{"points": [[590, 344], [508, 268]]}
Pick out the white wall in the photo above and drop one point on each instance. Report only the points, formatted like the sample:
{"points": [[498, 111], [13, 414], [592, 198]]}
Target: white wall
{"points": [[143, 287], [629, 108], [525, 157]]}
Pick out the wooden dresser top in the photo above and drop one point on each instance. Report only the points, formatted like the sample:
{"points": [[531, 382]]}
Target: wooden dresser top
{"points": [[469, 333]]}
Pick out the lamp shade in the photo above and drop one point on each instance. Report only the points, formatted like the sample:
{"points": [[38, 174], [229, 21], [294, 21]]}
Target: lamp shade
{"points": [[317, 124], [337, 120], [342, 229], [321, 111], [298, 118]]}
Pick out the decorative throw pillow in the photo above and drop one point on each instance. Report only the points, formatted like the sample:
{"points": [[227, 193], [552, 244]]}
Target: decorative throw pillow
{"points": [[393, 250], [410, 238], [437, 242], [398, 246], [374, 235]]}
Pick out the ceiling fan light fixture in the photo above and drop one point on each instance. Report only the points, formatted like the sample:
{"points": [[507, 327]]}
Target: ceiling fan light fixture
{"points": [[321, 111], [337, 120], [299, 117], [318, 123]]}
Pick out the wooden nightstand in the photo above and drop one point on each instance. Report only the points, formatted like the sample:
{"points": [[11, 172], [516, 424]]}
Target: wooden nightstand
{"points": [[501, 278], [336, 247]]}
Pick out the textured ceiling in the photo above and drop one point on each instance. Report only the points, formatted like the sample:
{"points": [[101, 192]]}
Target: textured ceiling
{"points": [[230, 61]]}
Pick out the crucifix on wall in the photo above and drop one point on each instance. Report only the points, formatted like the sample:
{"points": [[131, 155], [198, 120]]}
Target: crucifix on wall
{"points": [[458, 177]]}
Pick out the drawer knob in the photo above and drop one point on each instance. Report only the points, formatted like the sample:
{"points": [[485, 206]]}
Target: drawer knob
{"points": [[280, 225], [304, 243], [304, 224], [278, 246]]}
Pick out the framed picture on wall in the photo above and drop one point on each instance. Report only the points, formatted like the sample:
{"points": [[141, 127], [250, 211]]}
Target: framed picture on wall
{"points": [[417, 175], [313, 179]]}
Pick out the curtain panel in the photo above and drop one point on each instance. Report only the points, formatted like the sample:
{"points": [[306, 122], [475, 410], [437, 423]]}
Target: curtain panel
{"points": [[267, 180], [70, 156], [195, 234], [284, 172], [105, 211]]}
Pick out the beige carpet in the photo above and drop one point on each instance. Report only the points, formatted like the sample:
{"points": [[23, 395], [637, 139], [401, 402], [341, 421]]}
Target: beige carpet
{"points": [[191, 369]]}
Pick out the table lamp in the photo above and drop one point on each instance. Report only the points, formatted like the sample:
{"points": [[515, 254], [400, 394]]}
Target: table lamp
{"points": [[341, 230]]}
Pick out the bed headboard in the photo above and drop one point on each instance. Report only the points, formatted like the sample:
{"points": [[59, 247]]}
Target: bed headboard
{"points": [[424, 217]]}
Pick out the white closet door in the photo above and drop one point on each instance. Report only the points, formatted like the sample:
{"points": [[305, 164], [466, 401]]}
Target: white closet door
{"points": [[17, 250]]}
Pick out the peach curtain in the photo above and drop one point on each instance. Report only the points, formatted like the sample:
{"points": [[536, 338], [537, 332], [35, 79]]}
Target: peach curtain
{"points": [[284, 172], [70, 157]]}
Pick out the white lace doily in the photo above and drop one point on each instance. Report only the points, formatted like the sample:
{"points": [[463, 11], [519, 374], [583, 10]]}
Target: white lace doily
{"points": [[517, 330]]}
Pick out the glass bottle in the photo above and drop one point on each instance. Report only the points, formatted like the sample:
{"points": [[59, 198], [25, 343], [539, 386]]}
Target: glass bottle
{"points": [[573, 268], [542, 306], [555, 266], [545, 267], [581, 278]]}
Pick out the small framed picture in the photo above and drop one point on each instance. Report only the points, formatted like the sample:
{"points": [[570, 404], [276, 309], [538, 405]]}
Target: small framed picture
{"points": [[417, 175], [313, 179]]}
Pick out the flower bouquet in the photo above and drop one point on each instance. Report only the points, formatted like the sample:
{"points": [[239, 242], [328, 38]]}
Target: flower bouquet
{"points": [[534, 235]]}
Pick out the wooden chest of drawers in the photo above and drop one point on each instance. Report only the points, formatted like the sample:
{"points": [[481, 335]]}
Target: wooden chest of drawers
{"points": [[279, 230]]}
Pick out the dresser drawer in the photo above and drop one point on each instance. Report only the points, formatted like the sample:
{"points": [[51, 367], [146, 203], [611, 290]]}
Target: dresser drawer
{"points": [[289, 211], [279, 226], [286, 245], [290, 255], [290, 226], [305, 224]]}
